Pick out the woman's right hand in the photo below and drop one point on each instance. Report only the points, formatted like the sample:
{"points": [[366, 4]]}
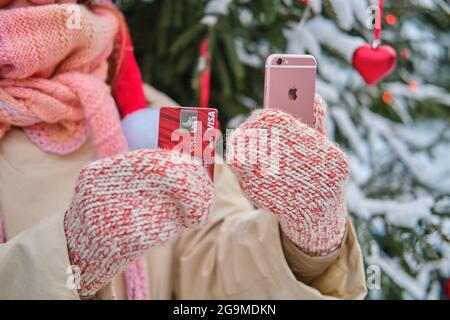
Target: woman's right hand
{"points": [[126, 204]]}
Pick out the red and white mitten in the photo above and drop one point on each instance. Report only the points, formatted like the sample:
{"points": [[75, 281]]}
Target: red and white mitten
{"points": [[296, 173], [127, 204]]}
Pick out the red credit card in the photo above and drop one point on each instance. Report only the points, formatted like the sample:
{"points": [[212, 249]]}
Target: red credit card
{"points": [[192, 131]]}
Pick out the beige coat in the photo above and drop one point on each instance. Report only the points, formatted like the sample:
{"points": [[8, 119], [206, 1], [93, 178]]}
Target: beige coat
{"points": [[239, 254]]}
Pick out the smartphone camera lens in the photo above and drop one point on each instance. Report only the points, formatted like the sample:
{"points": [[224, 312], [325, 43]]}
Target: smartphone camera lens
{"points": [[279, 61]]}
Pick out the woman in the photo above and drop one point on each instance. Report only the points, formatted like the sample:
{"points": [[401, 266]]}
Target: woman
{"points": [[142, 225]]}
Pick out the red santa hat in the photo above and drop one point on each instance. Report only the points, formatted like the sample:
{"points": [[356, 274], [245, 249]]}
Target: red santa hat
{"points": [[127, 89]]}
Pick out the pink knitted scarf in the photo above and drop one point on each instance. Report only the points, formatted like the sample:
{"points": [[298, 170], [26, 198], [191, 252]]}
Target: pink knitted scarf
{"points": [[53, 68], [52, 77]]}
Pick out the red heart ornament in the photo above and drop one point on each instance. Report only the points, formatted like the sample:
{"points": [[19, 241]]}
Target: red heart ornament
{"points": [[373, 64]]}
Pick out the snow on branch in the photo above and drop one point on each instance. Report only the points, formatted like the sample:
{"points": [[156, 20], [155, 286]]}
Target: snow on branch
{"points": [[417, 287], [402, 212], [433, 171], [427, 92]]}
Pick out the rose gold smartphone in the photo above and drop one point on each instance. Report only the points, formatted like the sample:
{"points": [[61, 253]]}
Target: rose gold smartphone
{"points": [[290, 85]]}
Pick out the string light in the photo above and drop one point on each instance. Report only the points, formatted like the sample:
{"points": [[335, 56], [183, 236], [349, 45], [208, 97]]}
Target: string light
{"points": [[405, 53], [387, 97], [391, 19], [413, 85]]}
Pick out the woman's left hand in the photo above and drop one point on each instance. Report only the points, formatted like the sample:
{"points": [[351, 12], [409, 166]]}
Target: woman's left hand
{"points": [[296, 173]]}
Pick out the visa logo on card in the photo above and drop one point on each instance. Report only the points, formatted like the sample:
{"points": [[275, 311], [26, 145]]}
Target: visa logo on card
{"points": [[192, 131]]}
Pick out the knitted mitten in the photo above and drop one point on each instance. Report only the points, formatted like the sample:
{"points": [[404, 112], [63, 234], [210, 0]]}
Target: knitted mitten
{"points": [[126, 204], [296, 173]]}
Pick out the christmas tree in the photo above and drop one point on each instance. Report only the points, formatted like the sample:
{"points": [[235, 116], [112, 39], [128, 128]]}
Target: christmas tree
{"points": [[396, 132]]}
